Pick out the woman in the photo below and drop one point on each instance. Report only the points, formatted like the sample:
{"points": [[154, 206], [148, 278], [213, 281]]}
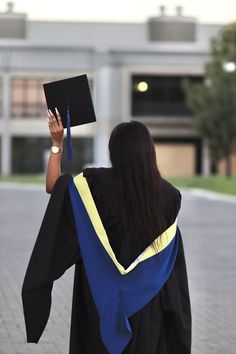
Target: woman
{"points": [[118, 225]]}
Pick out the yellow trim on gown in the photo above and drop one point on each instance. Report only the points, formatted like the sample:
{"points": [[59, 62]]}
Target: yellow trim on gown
{"points": [[161, 241]]}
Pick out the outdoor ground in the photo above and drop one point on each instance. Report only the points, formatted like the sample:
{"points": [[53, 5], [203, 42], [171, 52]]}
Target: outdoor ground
{"points": [[217, 183], [208, 225]]}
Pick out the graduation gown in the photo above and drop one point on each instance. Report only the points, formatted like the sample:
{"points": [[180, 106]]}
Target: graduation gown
{"points": [[123, 301]]}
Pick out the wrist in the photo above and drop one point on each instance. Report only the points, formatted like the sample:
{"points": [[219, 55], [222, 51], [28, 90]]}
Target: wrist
{"points": [[56, 143], [56, 149]]}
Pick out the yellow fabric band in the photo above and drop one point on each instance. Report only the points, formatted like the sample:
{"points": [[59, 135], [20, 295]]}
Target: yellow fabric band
{"points": [[161, 241]]}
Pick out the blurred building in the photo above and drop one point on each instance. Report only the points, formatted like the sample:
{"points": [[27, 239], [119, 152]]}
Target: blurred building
{"points": [[135, 71]]}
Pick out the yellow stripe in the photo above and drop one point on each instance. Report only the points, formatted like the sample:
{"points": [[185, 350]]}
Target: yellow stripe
{"points": [[161, 241]]}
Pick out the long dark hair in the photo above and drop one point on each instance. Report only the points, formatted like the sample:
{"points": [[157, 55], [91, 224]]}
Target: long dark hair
{"points": [[138, 182]]}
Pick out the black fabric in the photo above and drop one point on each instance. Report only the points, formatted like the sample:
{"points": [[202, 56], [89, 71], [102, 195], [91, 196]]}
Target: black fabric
{"points": [[53, 253], [163, 326]]}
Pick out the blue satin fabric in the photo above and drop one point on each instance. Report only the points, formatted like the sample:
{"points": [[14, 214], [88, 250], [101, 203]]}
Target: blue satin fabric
{"points": [[118, 296]]}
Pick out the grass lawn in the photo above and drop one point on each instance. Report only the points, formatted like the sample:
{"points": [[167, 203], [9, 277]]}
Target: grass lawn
{"points": [[215, 183], [23, 179]]}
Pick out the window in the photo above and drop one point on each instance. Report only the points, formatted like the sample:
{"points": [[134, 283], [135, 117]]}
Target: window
{"points": [[160, 95], [29, 154], [27, 96]]}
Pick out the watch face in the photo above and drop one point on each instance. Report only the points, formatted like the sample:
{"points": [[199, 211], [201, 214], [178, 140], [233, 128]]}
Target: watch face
{"points": [[55, 149]]}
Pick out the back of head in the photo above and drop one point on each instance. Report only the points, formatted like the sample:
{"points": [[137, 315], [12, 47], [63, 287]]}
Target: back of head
{"points": [[138, 182]]}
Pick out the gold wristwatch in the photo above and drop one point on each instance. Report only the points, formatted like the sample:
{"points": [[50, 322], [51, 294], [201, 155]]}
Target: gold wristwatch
{"points": [[56, 149]]}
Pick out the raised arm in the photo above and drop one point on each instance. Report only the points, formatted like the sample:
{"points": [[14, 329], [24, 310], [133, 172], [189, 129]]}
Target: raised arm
{"points": [[54, 162]]}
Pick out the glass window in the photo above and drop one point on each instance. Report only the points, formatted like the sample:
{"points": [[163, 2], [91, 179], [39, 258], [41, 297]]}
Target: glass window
{"points": [[27, 96], [29, 154], [159, 95]]}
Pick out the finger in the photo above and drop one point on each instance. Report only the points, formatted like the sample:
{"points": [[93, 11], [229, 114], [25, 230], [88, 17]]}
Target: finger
{"points": [[50, 123], [49, 118], [51, 114], [57, 113], [54, 121], [52, 117], [58, 117]]}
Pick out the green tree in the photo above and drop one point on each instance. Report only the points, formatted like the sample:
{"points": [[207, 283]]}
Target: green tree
{"points": [[213, 102]]}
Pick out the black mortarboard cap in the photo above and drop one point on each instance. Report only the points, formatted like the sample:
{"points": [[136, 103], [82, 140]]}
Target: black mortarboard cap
{"points": [[73, 100]]}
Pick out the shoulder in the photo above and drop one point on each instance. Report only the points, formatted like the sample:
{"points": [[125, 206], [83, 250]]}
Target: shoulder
{"points": [[173, 194], [98, 178], [170, 188], [96, 171], [100, 184]]}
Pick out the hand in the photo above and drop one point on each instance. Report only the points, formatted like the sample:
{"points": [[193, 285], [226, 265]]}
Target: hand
{"points": [[56, 128]]}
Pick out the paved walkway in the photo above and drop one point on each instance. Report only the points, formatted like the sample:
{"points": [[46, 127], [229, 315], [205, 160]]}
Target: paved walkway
{"points": [[208, 228]]}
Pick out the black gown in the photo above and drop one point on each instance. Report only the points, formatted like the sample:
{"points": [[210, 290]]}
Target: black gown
{"points": [[162, 326]]}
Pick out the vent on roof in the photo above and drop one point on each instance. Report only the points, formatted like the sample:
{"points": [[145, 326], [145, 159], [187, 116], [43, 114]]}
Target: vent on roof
{"points": [[12, 24], [176, 28]]}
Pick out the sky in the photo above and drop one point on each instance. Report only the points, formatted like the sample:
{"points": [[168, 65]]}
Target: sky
{"points": [[206, 11]]}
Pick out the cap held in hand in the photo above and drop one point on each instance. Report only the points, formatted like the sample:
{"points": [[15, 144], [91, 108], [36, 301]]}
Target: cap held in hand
{"points": [[72, 97]]}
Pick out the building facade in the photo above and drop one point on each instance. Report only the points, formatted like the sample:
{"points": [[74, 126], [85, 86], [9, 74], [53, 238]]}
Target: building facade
{"points": [[136, 71]]}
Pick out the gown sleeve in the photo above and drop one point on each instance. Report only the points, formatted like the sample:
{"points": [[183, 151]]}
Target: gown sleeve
{"points": [[55, 250]]}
